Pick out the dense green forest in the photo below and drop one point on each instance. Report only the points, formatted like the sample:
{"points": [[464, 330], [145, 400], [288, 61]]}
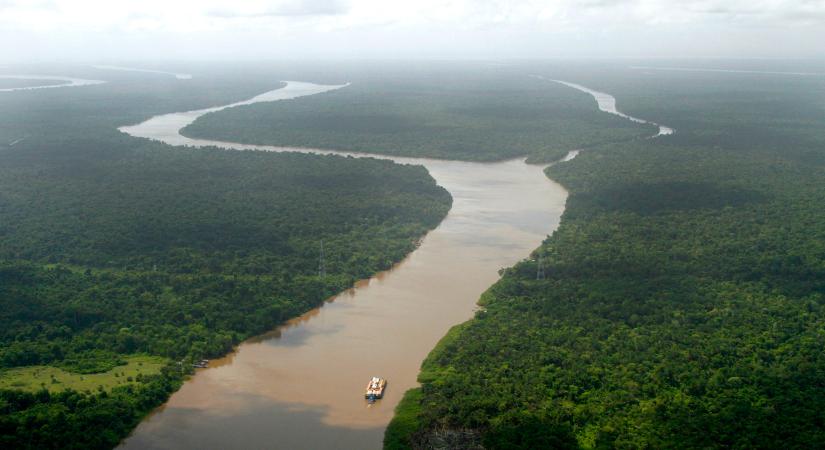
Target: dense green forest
{"points": [[476, 114], [682, 299], [682, 303], [112, 246]]}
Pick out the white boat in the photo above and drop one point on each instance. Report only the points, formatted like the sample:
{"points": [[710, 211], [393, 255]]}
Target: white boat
{"points": [[375, 388]]}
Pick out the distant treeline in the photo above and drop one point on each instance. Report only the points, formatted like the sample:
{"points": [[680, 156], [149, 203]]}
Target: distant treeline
{"points": [[465, 114]]}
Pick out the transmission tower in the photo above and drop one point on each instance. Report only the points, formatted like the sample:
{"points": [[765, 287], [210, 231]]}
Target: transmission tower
{"points": [[322, 267]]}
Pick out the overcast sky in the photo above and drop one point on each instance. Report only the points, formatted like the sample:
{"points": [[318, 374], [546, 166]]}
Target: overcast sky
{"points": [[111, 30]]}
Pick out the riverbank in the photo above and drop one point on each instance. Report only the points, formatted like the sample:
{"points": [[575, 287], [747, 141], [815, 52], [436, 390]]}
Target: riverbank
{"points": [[113, 246], [302, 376], [676, 306]]}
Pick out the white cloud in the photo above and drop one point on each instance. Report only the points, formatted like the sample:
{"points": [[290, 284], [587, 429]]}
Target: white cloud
{"points": [[437, 26], [282, 9]]}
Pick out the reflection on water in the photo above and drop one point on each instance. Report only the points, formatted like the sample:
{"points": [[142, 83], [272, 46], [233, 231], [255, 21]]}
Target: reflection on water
{"points": [[302, 385], [260, 424]]}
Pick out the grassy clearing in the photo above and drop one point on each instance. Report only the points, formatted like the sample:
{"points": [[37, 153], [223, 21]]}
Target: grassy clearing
{"points": [[55, 379]]}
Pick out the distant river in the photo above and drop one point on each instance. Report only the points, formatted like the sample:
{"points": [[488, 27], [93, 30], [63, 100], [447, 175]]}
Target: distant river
{"points": [[607, 103], [49, 82], [301, 386]]}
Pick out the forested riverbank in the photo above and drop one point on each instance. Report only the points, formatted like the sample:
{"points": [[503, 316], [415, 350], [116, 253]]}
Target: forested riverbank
{"points": [[452, 112], [113, 247], [680, 303]]}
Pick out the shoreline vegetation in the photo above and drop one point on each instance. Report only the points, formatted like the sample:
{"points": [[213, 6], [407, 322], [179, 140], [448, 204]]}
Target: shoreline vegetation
{"points": [[113, 247], [682, 300], [680, 304], [464, 116]]}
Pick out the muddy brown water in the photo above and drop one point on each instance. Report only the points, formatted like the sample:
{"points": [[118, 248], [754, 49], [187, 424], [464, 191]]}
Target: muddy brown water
{"points": [[301, 386]]}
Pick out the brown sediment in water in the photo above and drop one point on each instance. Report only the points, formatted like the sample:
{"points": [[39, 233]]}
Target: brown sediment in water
{"points": [[302, 385]]}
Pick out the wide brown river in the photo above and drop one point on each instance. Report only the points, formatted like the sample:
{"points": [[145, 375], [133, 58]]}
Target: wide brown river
{"points": [[302, 386]]}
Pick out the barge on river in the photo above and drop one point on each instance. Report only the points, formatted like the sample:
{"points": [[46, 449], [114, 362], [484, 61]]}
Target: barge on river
{"points": [[375, 388]]}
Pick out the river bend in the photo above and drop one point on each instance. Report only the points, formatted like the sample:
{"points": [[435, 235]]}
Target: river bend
{"points": [[58, 82], [607, 103], [301, 385]]}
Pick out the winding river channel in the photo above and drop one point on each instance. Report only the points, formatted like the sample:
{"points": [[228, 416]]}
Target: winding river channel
{"points": [[607, 103], [50, 82], [301, 385]]}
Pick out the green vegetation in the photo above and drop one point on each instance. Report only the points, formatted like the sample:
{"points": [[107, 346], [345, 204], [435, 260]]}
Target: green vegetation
{"points": [[55, 379], [405, 421], [450, 113], [183, 253], [80, 420], [112, 247], [684, 299], [211, 211]]}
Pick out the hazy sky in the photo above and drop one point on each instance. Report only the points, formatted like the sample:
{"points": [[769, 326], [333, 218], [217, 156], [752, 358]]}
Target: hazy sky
{"points": [[110, 30]]}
